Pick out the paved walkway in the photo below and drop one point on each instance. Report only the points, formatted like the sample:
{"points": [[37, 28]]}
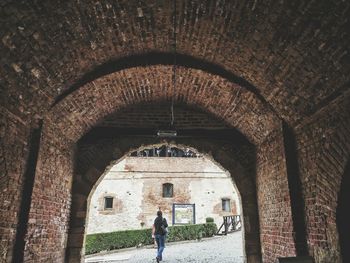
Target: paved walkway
{"points": [[223, 249]]}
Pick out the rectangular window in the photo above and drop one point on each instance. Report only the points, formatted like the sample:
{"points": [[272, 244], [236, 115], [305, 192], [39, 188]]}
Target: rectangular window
{"points": [[167, 190], [108, 202], [226, 205]]}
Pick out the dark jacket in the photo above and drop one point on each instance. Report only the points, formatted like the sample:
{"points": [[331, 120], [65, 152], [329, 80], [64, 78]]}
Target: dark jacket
{"points": [[158, 222]]}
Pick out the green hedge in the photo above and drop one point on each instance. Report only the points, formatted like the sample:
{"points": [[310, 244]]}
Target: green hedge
{"points": [[129, 238], [209, 220]]}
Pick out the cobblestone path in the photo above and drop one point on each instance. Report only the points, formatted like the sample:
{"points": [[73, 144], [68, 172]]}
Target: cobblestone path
{"points": [[223, 249]]}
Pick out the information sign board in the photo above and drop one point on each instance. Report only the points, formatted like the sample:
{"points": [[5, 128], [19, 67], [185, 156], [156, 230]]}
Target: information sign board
{"points": [[184, 214]]}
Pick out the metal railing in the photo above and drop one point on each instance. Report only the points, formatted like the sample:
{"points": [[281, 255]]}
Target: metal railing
{"points": [[231, 224]]}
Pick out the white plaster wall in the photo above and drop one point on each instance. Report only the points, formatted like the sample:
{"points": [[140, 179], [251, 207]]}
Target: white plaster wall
{"points": [[127, 190], [136, 184], [207, 195]]}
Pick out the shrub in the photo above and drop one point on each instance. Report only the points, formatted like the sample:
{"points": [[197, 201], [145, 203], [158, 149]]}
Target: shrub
{"points": [[116, 240], [209, 220], [130, 238]]}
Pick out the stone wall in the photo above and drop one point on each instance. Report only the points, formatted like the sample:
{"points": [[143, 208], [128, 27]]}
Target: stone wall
{"points": [[135, 183]]}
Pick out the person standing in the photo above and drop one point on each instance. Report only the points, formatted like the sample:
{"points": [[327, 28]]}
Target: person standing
{"points": [[159, 232]]}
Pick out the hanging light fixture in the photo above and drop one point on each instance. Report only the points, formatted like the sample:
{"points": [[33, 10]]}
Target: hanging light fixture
{"points": [[171, 132], [167, 133]]}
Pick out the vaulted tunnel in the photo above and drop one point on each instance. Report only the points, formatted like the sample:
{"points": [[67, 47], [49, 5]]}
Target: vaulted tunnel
{"points": [[129, 128], [274, 75]]}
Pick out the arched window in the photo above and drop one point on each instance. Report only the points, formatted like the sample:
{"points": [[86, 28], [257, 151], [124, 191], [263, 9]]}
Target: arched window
{"points": [[168, 190]]}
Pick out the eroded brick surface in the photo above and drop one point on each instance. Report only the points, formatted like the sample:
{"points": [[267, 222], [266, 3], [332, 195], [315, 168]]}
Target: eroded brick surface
{"points": [[50, 208], [14, 134], [296, 54], [324, 149], [276, 229], [225, 100], [265, 60]]}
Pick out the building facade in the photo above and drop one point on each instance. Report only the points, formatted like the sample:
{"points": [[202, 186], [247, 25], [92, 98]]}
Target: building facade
{"points": [[131, 191]]}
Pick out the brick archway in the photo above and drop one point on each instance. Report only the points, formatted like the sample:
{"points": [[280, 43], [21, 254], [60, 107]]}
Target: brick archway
{"points": [[226, 100], [223, 153], [81, 110], [256, 42], [294, 52]]}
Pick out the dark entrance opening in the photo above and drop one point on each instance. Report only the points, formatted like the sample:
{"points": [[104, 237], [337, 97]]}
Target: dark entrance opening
{"points": [[343, 216]]}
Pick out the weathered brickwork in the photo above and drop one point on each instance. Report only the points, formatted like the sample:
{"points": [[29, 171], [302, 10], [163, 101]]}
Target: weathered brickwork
{"points": [[276, 229], [295, 53], [225, 100], [49, 212], [13, 155], [250, 64], [159, 116], [324, 150]]}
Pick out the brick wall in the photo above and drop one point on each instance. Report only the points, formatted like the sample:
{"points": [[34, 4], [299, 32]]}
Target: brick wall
{"points": [[50, 208], [271, 171], [14, 134], [290, 58], [276, 226], [159, 115], [225, 100], [285, 49], [324, 149]]}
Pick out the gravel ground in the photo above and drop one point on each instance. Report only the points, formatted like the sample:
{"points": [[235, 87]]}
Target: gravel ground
{"points": [[223, 249]]}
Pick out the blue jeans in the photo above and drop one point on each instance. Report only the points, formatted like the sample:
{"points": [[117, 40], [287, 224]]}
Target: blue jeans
{"points": [[160, 239]]}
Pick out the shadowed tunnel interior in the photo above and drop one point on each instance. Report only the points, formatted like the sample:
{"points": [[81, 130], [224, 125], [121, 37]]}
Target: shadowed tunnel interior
{"points": [[258, 85], [343, 215]]}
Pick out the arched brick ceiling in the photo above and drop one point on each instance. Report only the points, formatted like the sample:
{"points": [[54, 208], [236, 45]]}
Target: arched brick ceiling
{"points": [[87, 106], [158, 116], [296, 53]]}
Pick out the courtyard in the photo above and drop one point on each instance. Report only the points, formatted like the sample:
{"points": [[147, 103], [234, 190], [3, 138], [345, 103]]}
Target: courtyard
{"points": [[223, 249]]}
